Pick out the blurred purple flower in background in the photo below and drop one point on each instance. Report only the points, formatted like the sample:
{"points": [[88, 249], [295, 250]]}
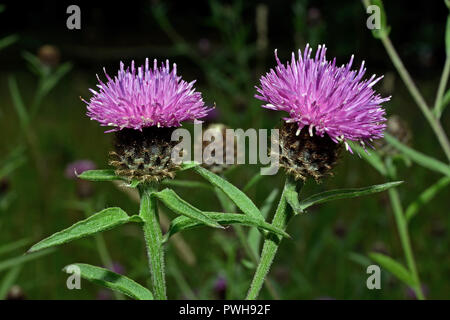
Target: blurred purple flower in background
{"points": [[78, 167], [220, 287], [84, 187], [410, 294]]}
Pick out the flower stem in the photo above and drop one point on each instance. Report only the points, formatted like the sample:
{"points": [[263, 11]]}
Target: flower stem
{"points": [[442, 85], [402, 228], [404, 74], [404, 239], [153, 238], [281, 219], [415, 93]]}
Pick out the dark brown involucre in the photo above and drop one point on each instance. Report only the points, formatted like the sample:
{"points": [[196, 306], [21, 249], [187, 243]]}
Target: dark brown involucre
{"points": [[144, 155], [304, 156]]}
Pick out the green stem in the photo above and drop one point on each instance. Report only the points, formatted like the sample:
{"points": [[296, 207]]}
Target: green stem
{"points": [[402, 227], [281, 219], [254, 258], [153, 239], [404, 239], [442, 85], [228, 206], [406, 77]]}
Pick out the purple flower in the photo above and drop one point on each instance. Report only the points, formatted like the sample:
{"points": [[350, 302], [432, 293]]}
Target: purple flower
{"points": [[332, 100], [78, 167], [145, 97]]}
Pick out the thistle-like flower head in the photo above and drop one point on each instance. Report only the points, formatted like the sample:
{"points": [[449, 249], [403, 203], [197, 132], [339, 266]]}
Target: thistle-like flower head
{"points": [[325, 98], [144, 97]]}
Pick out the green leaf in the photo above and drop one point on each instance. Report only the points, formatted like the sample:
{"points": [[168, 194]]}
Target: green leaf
{"points": [[291, 196], [447, 36], [398, 270], [18, 102], [178, 205], [372, 158], [418, 157], [101, 221], [188, 165], [426, 196], [6, 248], [185, 184], [34, 63], [13, 262], [113, 281], [8, 281], [384, 28], [7, 41], [359, 259], [345, 193], [444, 103], [15, 159], [237, 196], [254, 180], [52, 80], [185, 223], [99, 175]]}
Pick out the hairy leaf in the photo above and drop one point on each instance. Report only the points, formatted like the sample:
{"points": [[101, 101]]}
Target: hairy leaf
{"points": [[112, 280], [99, 175], [184, 223], [345, 193], [237, 196], [101, 221], [178, 205]]}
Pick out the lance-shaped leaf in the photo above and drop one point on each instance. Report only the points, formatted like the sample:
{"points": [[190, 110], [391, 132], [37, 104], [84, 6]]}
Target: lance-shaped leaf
{"points": [[419, 157], [291, 195], [384, 29], [188, 165], [370, 156], [101, 221], [6, 248], [185, 223], [111, 280], [186, 184], [425, 197], [19, 260], [398, 270], [178, 205], [99, 175], [345, 193], [237, 196], [8, 281]]}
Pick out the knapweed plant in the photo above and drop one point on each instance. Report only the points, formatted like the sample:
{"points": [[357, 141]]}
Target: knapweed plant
{"points": [[327, 107]]}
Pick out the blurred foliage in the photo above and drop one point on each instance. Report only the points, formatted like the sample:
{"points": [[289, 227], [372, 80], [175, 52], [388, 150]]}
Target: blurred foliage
{"points": [[225, 47]]}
